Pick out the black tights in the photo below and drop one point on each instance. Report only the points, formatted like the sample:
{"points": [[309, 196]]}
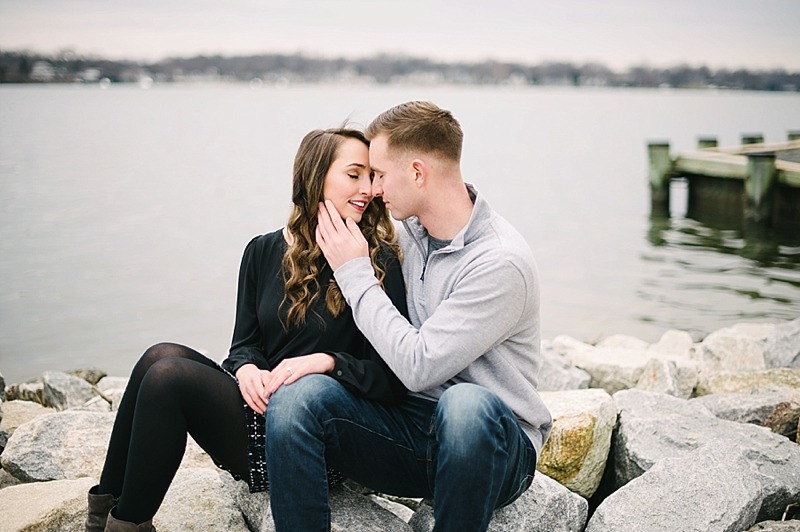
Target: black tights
{"points": [[173, 391]]}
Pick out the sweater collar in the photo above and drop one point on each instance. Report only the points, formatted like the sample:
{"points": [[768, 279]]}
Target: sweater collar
{"points": [[481, 213]]}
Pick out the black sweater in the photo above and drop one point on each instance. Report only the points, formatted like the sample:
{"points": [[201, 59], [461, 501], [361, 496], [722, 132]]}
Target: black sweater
{"points": [[259, 336]]}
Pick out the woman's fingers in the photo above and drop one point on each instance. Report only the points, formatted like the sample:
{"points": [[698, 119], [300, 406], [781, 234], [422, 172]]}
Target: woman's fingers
{"points": [[251, 387]]}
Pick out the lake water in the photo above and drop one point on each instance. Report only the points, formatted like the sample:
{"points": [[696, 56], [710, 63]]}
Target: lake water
{"points": [[125, 211]]}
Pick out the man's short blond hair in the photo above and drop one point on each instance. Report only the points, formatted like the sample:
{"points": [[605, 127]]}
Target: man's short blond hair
{"points": [[419, 127]]}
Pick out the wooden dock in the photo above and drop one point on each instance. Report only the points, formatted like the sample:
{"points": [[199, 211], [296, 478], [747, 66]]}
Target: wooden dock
{"points": [[760, 181]]}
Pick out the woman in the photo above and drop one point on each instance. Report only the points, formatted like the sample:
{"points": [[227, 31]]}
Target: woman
{"points": [[291, 321]]}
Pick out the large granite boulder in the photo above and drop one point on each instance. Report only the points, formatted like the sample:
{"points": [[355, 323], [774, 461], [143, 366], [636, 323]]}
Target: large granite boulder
{"points": [[197, 500], [763, 381], [737, 348], [68, 445], [653, 427], [64, 445], [710, 489], [556, 373], [62, 391], [546, 506], [782, 347], [618, 362], [44, 506], [16, 413], [779, 411], [575, 454]]}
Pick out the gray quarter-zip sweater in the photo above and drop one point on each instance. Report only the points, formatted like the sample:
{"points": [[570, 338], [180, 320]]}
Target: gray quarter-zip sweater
{"points": [[474, 314]]}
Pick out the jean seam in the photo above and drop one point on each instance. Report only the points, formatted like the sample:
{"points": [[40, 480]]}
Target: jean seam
{"points": [[365, 429]]}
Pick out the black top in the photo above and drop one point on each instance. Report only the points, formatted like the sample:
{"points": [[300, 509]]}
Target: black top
{"points": [[259, 336]]}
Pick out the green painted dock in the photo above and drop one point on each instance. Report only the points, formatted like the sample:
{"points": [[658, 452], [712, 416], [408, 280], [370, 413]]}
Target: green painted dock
{"points": [[761, 180]]}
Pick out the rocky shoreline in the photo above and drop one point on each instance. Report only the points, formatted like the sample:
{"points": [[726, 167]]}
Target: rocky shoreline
{"points": [[672, 436]]}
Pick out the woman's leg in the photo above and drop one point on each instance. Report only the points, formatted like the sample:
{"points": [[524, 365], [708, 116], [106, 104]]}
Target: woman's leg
{"points": [[173, 391]]}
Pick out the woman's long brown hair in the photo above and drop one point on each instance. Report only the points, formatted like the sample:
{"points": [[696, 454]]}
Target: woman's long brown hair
{"points": [[301, 262]]}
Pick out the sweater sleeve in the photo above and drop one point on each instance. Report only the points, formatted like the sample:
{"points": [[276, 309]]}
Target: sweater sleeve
{"points": [[478, 314], [246, 345], [369, 376]]}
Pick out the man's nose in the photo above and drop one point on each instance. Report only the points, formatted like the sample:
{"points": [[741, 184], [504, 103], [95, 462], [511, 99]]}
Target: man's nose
{"points": [[377, 188]]}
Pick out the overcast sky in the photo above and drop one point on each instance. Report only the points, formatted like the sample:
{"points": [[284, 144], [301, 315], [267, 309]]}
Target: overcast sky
{"points": [[757, 34]]}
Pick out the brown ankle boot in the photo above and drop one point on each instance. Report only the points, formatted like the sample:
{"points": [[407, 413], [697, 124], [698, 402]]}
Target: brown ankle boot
{"points": [[115, 525], [99, 506]]}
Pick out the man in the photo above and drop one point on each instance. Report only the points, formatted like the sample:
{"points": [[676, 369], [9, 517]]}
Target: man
{"points": [[469, 433]]}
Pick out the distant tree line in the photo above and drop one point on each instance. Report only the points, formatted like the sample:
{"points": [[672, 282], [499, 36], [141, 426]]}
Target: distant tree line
{"points": [[67, 67]]}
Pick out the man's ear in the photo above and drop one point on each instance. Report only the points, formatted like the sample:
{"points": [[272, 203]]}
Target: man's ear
{"points": [[420, 170]]}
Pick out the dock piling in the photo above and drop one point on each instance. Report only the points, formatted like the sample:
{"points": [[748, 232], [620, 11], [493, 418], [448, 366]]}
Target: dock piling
{"points": [[753, 138], [706, 142], [660, 168], [759, 187]]}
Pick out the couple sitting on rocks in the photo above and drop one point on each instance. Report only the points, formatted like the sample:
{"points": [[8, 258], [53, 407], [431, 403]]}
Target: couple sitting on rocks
{"points": [[407, 362]]}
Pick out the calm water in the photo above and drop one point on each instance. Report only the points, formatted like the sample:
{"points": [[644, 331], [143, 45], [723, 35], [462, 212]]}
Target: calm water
{"points": [[125, 211]]}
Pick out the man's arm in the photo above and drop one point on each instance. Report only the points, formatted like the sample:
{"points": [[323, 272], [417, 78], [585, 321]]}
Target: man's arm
{"points": [[481, 311]]}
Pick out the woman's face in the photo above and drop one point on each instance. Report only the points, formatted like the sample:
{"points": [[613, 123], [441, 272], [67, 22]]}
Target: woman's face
{"points": [[347, 183]]}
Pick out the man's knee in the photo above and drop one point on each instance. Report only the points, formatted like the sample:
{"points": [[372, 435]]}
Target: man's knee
{"points": [[468, 413], [469, 403]]}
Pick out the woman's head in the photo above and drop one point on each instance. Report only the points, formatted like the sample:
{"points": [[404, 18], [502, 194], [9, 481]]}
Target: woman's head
{"points": [[330, 164]]}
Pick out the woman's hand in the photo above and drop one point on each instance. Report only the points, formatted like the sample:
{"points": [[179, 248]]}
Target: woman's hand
{"points": [[291, 369], [252, 385]]}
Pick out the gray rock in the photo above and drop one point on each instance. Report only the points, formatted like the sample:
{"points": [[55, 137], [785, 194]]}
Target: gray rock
{"points": [[27, 391], [661, 376], [710, 489], [2, 386], [197, 500], [62, 391], [672, 344], [90, 375], [18, 413], [623, 341], [776, 526], [782, 349], [769, 380], [44, 506], [546, 506], [95, 404], [737, 348], [556, 373], [112, 389], [778, 411], [652, 427], [350, 511], [7, 480], [611, 368], [63, 445], [575, 455]]}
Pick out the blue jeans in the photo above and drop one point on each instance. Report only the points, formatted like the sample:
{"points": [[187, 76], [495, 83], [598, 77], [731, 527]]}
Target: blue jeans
{"points": [[466, 451]]}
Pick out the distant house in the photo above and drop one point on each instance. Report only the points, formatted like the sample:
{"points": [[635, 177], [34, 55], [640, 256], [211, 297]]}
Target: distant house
{"points": [[42, 71]]}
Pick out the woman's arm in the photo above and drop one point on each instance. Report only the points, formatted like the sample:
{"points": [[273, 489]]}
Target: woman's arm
{"points": [[369, 376], [246, 343]]}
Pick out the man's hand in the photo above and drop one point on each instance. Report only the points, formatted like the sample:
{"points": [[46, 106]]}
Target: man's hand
{"points": [[339, 241]]}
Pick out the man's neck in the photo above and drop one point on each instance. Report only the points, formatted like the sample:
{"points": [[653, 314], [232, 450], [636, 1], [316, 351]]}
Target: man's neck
{"points": [[448, 211]]}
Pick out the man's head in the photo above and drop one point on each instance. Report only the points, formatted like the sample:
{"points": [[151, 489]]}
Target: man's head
{"points": [[419, 127], [413, 145]]}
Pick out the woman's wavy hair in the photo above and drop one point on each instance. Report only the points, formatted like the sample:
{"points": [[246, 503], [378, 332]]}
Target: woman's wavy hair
{"points": [[303, 259]]}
